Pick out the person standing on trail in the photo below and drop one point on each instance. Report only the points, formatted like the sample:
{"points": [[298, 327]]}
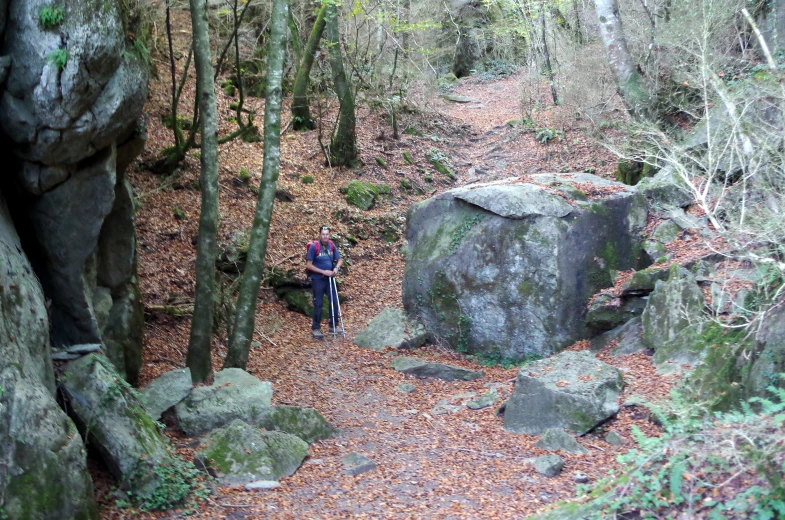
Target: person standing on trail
{"points": [[322, 263]]}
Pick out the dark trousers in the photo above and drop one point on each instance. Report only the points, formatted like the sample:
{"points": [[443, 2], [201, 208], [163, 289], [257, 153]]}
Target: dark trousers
{"points": [[321, 287]]}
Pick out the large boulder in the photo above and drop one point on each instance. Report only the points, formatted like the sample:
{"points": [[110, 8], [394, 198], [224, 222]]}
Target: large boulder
{"points": [[666, 188], [572, 390], [508, 267], [114, 420], [419, 367], [234, 394], [43, 472], [391, 328], [240, 453]]}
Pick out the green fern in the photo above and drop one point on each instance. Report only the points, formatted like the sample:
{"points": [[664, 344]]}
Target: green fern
{"points": [[51, 17], [58, 58]]}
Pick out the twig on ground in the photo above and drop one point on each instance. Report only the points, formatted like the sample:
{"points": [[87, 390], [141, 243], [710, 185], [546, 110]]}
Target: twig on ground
{"points": [[265, 337]]}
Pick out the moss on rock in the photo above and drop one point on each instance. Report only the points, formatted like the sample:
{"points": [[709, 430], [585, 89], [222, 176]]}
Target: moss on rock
{"points": [[361, 194]]}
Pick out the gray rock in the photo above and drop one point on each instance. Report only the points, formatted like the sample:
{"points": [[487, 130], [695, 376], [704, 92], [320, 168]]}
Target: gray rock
{"points": [[606, 312], [571, 390], [391, 328], [635, 400], [525, 273], [117, 242], [629, 338], [549, 465], [61, 355], [117, 425], [457, 99], [406, 388], [643, 282], [666, 232], [672, 307], [306, 423], [444, 408], [67, 227], [123, 334], [84, 349], [421, 368], [356, 463], [234, 394], [102, 305], [770, 343], [669, 368], [654, 249], [555, 439], [614, 439], [166, 391], [43, 471], [515, 201], [685, 221], [666, 187], [580, 477], [239, 453], [484, 401], [260, 485]]}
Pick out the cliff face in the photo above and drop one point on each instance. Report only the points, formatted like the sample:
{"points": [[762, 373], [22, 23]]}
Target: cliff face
{"points": [[70, 113], [72, 88]]}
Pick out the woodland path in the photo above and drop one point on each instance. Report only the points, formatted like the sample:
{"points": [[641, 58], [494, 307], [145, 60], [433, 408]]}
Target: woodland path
{"points": [[450, 466]]}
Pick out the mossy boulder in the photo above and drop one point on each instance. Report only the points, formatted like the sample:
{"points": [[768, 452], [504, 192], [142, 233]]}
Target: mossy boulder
{"points": [[642, 282], [627, 338], [672, 307], [391, 328], [509, 269], [666, 188], [240, 453], [361, 194], [165, 391], [306, 423], [570, 390], [606, 312], [112, 417], [234, 394], [556, 439]]}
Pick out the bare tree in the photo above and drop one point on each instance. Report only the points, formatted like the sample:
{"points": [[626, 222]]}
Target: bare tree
{"points": [[245, 314], [198, 358], [629, 82]]}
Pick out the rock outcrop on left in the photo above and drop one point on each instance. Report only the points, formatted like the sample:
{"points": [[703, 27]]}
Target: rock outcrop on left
{"points": [[43, 472], [70, 112]]}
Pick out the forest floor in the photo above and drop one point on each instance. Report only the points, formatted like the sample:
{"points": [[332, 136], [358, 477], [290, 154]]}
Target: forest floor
{"points": [[457, 465]]}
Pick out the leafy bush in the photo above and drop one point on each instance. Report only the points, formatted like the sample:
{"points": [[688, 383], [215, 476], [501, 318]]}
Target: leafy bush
{"points": [[721, 466], [51, 17], [546, 135], [179, 483]]}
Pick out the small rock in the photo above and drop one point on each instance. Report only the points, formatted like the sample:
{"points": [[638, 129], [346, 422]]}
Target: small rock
{"points": [[635, 400], [666, 232], [554, 439], [262, 484], [443, 408], [549, 465], [356, 463], [421, 368], [64, 356], [457, 99], [406, 388], [392, 328], [165, 391], [484, 401], [85, 348], [614, 439], [412, 411], [580, 478]]}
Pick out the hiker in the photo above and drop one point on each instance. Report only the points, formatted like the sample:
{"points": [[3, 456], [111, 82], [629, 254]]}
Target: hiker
{"points": [[322, 263]]}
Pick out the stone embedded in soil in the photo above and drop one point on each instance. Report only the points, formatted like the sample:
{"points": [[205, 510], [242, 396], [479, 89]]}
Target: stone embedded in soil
{"points": [[166, 391], [484, 401], [555, 439], [391, 328], [614, 439], [356, 463], [406, 388], [421, 368], [549, 465], [262, 485]]}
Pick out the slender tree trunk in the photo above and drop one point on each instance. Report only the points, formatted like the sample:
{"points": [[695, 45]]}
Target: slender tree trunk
{"points": [[343, 145], [580, 39], [301, 111], [245, 313], [547, 57], [629, 82], [178, 134], [198, 359], [296, 47]]}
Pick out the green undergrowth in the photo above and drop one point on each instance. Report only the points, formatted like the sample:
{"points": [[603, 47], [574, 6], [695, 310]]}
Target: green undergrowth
{"points": [[713, 466], [179, 484]]}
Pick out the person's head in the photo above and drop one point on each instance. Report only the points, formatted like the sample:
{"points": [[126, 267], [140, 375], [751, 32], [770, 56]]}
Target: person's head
{"points": [[324, 234]]}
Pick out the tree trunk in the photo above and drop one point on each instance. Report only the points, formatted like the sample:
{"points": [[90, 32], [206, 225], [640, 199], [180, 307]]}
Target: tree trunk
{"points": [[580, 39], [198, 359], [547, 57], [295, 38], [629, 82], [245, 313], [343, 145], [301, 111]]}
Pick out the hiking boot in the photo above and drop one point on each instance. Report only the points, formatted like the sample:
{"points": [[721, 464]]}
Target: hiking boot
{"points": [[317, 334], [337, 330]]}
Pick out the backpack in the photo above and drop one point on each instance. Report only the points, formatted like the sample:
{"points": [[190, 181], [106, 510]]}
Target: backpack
{"points": [[316, 252]]}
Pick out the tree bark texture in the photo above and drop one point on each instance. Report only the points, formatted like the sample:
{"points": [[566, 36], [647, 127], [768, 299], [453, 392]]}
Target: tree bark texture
{"points": [[547, 58], [245, 313], [343, 145], [629, 82], [301, 110], [198, 358]]}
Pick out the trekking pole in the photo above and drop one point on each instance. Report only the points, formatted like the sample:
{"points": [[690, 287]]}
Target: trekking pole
{"points": [[330, 280], [338, 303]]}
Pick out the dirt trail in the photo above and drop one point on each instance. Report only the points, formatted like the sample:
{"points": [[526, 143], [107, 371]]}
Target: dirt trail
{"points": [[456, 465]]}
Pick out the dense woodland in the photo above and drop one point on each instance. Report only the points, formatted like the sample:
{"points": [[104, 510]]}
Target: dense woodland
{"points": [[562, 225]]}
